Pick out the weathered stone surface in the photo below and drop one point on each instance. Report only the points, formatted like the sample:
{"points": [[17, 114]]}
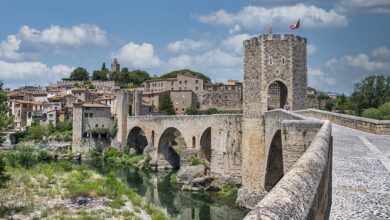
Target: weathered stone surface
{"points": [[188, 173], [360, 123], [249, 199], [302, 193]]}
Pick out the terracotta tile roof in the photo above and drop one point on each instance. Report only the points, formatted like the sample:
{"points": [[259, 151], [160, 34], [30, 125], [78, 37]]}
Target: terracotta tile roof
{"points": [[95, 104]]}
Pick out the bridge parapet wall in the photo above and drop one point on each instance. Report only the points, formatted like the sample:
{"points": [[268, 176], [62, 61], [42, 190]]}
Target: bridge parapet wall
{"points": [[303, 191], [381, 127]]}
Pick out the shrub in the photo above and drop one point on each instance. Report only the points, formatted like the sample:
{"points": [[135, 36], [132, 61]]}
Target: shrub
{"points": [[384, 111], [329, 105], [111, 152], [4, 177], [371, 113], [228, 190], [172, 178], [195, 161]]}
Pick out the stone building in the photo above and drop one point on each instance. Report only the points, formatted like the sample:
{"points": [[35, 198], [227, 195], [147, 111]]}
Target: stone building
{"points": [[226, 97], [182, 100], [115, 66], [92, 122], [275, 72]]}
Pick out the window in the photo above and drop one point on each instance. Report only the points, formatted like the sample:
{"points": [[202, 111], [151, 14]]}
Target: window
{"points": [[185, 82], [182, 109], [196, 81], [86, 115], [102, 126], [90, 115], [179, 88], [270, 61], [283, 60], [176, 109], [196, 88], [179, 82], [171, 83], [96, 126]]}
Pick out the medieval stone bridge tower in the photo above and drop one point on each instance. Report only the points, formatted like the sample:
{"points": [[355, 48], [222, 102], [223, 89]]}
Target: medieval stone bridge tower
{"points": [[275, 73]]}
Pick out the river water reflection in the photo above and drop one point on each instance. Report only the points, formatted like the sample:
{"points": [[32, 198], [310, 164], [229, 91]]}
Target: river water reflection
{"points": [[157, 188]]}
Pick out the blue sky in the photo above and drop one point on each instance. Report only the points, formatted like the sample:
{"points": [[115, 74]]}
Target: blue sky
{"points": [[42, 41]]}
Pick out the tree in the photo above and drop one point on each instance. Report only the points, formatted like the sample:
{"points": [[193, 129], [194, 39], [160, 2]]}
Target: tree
{"points": [[329, 105], [384, 111], [191, 111], [79, 74], [174, 74], [5, 119], [99, 75], [104, 67], [166, 104], [371, 92], [371, 113], [322, 96]]}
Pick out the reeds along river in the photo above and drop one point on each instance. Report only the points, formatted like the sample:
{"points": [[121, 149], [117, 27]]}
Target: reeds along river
{"points": [[157, 188]]}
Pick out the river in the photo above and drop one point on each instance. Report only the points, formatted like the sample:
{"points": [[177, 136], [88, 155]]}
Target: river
{"points": [[158, 189]]}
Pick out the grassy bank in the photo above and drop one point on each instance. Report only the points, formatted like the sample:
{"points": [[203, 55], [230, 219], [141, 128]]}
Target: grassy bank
{"points": [[62, 190]]}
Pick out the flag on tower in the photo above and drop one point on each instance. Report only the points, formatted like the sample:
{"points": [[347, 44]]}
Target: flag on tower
{"points": [[295, 25]]}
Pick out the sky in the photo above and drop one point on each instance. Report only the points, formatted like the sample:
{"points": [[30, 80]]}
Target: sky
{"points": [[42, 41]]}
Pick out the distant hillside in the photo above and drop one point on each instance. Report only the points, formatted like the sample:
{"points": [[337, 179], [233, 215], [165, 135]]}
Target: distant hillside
{"points": [[174, 74]]}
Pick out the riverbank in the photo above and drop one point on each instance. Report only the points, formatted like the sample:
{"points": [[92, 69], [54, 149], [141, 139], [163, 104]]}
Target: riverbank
{"points": [[61, 190]]}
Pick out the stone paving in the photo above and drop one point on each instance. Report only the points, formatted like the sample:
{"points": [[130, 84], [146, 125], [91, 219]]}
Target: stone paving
{"points": [[360, 175]]}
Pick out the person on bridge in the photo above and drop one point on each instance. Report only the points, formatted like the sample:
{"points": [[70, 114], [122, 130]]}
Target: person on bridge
{"points": [[286, 106]]}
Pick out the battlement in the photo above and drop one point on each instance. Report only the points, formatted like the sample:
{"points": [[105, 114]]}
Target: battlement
{"points": [[275, 37]]}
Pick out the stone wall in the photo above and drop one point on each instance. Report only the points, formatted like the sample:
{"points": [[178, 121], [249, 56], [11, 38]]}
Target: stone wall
{"points": [[227, 100], [360, 123], [303, 192], [225, 137]]}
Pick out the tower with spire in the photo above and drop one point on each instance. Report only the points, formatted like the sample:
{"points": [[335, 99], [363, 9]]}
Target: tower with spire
{"points": [[115, 67]]}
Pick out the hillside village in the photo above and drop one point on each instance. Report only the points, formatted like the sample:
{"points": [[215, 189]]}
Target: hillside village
{"points": [[189, 94]]}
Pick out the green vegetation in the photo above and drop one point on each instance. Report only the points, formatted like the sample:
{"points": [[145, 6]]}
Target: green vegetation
{"points": [[79, 74], [329, 105], [115, 157], [322, 96], [195, 161], [229, 190], [371, 92], [174, 74], [380, 113], [101, 75], [62, 132], [27, 156], [57, 183], [135, 77], [166, 105], [5, 120], [173, 178], [4, 177], [210, 111]]}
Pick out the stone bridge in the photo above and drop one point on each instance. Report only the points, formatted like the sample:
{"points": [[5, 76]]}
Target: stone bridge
{"points": [[216, 138]]}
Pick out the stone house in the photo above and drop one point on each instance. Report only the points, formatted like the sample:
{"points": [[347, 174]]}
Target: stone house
{"points": [[92, 123]]}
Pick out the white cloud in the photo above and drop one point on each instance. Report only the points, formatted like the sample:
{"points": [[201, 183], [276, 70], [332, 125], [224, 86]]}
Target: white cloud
{"points": [[360, 61], [318, 77], [82, 34], [255, 17], [9, 49], [363, 6], [235, 42], [138, 55], [381, 52], [187, 45], [27, 72], [311, 49], [181, 62], [235, 29]]}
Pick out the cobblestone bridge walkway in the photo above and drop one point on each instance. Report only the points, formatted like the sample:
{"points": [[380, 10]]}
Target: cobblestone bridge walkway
{"points": [[360, 175]]}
